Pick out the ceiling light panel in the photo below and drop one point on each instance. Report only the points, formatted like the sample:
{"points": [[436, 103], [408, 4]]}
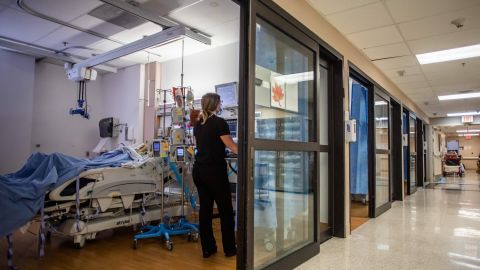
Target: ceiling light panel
{"points": [[449, 55], [462, 114], [460, 96], [468, 130]]}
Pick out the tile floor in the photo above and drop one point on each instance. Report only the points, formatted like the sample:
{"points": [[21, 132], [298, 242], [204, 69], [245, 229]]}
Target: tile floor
{"points": [[432, 229]]}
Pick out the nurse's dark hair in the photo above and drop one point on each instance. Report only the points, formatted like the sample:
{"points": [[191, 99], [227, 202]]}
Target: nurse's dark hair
{"points": [[210, 102]]}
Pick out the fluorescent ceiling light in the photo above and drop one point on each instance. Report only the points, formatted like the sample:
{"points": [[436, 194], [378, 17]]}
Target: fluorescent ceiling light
{"points": [[460, 96], [449, 55], [470, 130], [381, 118], [468, 134], [379, 103], [462, 114]]}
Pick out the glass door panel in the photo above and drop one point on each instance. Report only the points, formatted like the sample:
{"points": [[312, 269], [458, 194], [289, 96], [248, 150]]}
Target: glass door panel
{"points": [[413, 154], [283, 204], [382, 159], [284, 87]]}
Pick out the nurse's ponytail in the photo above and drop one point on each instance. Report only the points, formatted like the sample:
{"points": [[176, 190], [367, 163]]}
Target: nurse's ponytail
{"points": [[210, 102]]}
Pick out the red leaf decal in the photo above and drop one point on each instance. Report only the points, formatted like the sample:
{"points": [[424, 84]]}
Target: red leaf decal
{"points": [[278, 93]]}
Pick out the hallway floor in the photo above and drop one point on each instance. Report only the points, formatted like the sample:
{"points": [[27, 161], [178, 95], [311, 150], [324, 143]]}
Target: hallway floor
{"points": [[471, 181], [432, 229]]}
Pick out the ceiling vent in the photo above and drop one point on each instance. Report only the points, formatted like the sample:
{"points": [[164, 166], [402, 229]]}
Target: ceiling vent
{"points": [[126, 20], [117, 16]]}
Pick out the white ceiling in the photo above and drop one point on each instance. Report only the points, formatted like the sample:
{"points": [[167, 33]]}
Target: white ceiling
{"points": [[218, 18], [391, 32]]}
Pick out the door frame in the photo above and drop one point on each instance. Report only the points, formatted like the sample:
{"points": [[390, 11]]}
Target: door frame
{"points": [[420, 153], [356, 74], [377, 211], [397, 151]]}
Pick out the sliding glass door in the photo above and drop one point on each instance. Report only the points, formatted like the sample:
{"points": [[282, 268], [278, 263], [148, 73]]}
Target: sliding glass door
{"points": [[413, 153], [382, 152], [285, 148]]}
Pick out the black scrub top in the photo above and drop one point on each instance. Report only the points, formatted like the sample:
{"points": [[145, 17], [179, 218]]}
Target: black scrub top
{"points": [[210, 148]]}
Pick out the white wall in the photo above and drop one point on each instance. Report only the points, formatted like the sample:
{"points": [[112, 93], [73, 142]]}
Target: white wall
{"points": [[121, 95], [54, 129], [204, 70], [16, 105]]}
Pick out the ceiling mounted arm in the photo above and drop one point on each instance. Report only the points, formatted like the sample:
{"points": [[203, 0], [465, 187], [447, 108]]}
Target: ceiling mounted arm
{"points": [[77, 70]]}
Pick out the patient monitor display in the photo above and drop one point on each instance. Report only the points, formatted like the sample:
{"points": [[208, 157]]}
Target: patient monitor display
{"points": [[180, 154], [228, 94], [156, 148], [232, 126]]}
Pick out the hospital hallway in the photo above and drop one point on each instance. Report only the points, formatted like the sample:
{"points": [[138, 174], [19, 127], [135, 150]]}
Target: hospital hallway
{"points": [[431, 229]]}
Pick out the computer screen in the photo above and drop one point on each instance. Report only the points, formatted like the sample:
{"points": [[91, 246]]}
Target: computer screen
{"points": [[228, 94], [232, 126]]}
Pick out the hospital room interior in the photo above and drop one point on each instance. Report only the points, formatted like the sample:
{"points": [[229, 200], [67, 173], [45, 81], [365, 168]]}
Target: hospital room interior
{"points": [[100, 104]]}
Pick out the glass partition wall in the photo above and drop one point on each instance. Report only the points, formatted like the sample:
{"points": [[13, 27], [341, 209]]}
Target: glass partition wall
{"points": [[382, 153], [413, 153], [285, 129]]}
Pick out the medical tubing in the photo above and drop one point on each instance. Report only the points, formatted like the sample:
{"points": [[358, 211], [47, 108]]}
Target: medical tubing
{"points": [[142, 213], [10, 264], [41, 244], [231, 167], [86, 102], [77, 203]]}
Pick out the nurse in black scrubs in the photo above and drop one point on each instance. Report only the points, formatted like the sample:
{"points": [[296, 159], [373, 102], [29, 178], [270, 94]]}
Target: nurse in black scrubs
{"points": [[212, 135]]}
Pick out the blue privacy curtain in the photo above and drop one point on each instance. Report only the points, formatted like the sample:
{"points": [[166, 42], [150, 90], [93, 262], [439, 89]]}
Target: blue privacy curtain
{"points": [[405, 149], [359, 149]]}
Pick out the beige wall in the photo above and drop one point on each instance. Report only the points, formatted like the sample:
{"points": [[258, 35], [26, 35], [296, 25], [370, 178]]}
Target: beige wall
{"points": [[303, 12], [471, 148]]}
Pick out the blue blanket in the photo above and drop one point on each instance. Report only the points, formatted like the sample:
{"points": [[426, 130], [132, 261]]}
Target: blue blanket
{"points": [[22, 193]]}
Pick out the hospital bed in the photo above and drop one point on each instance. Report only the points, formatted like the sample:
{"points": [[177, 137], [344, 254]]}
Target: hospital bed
{"points": [[79, 197]]}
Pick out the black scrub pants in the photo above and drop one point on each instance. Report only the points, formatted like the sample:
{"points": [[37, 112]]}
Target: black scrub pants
{"points": [[213, 186]]}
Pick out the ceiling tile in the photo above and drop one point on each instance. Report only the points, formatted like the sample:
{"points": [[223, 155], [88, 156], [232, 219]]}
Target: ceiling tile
{"points": [[204, 14], [65, 10], [376, 37], [413, 85], [92, 23], [21, 26], [406, 10], [446, 41], [396, 63], [409, 78], [361, 18], [331, 6], [445, 89], [392, 50], [7, 2], [441, 24], [441, 78], [413, 70]]}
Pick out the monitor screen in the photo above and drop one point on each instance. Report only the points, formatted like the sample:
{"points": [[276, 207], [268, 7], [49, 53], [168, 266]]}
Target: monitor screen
{"points": [[180, 152], [232, 126], [228, 94]]}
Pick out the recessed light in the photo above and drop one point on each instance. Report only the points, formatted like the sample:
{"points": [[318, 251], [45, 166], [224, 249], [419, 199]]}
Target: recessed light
{"points": [[467, 130], [460, 96], [462, 114], [468, 134], [449, 55]]}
